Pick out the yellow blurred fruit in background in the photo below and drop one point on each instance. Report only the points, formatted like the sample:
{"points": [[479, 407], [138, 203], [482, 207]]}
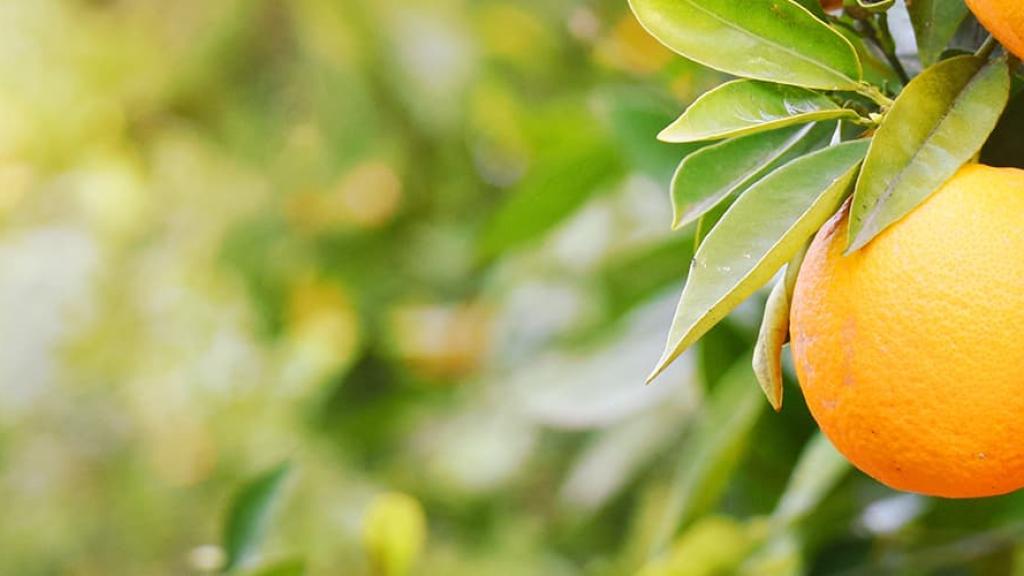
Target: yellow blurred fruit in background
{"points": [[394, 533], [440, 341], [629, 47], [365, 197], [323, 333]]}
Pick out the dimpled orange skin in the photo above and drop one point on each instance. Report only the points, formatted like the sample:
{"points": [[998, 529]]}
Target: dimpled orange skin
{"points": [[910, 352], [1004, 19]]}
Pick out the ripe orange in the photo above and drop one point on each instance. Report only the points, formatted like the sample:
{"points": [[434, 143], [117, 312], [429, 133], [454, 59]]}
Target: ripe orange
{"points": [[1004, 19], [910, 352]]}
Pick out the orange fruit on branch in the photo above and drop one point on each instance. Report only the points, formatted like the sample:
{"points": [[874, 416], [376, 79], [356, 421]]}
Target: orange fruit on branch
{"points": [[1004, 19], [910, 351]]}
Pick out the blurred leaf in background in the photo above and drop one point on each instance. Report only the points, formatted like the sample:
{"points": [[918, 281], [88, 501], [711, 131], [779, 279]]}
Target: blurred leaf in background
{"points": [[249, 515]]}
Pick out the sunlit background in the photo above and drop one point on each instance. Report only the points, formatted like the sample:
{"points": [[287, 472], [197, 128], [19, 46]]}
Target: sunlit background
{"points": [[420, 252]]}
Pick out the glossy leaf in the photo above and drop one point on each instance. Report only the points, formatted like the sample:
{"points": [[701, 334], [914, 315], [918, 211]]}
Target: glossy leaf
{"points": [[772, 40], [935, 23], [707, 177], [766, 226], [712, 452], [940, 120], [249, 515], [817, 472], [706, 223], [744, 107], [774, 333]]}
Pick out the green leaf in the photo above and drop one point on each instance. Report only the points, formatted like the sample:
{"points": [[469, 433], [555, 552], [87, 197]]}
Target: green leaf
{"points": [[935, 24], [775, 332], [707, 177], [818, 471], [744, 107], [577, 161], [772, 40], [940, 120], [760, 232], [249, 515], [712, 452]]}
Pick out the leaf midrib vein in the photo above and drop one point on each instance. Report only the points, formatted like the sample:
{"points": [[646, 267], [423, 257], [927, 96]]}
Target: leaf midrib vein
{"points": [[890, 188]]}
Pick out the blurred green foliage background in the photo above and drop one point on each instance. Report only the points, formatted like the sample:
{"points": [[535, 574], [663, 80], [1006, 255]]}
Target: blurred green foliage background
{"points": [[418, 250]]}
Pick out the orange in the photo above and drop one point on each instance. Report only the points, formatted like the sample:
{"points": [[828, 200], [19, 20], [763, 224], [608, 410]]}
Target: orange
{"points": [[1004, 19], [910, 352]]}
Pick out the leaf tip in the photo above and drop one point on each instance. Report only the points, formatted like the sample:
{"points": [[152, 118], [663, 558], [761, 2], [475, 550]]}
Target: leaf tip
{"points": [[666, 360], [855, 242], [855, 230], [654, 374], [772, 391], [667, 136]]}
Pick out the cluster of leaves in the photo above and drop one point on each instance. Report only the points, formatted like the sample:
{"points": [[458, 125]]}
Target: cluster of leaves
{"points": [[811, 123]]}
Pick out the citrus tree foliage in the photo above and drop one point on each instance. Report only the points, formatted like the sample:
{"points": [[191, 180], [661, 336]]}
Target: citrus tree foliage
{"points": [[906, 137]]}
